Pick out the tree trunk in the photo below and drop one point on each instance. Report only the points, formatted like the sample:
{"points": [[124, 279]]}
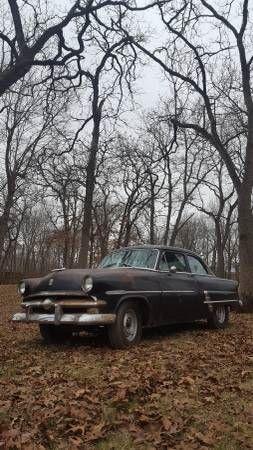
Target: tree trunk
{"points": [[245, 223], [127, 233], [177, 224], [220, 270], [213, 262], [4, 226], [152, 216], [167, 226], [229, 259], [104, 246], [3, 233], [90, 185], [5, 217]]}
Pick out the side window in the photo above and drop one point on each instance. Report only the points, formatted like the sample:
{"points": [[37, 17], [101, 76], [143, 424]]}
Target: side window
{"points": [[196, 266], [169, 259]]}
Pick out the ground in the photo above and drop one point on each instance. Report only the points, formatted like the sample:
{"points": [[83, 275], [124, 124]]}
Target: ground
{"points": [[183, 387]]}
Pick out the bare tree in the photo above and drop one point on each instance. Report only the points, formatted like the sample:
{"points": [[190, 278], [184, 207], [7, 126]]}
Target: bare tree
{"points": [[198, 235], [24, 130], [132, 203], [117, 61], [62, 180], [221, 210], [214, 85], [185, 166], [32, 35]]}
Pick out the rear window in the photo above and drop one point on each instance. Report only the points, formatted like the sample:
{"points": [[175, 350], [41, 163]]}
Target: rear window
{"points": [[196, 266]]}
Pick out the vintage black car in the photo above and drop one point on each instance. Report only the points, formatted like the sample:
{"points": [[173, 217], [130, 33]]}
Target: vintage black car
{"points": [[133, 287]]}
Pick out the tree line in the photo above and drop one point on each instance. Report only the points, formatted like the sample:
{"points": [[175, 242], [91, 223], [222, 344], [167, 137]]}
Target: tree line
{"points": [[75, 182]]}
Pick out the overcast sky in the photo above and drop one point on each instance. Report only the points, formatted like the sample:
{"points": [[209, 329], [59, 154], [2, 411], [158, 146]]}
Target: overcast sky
{"points": [[151, 86]]}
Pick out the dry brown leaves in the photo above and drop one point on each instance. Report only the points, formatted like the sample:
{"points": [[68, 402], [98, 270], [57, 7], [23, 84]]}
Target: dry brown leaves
{"points": [[183, 387]]}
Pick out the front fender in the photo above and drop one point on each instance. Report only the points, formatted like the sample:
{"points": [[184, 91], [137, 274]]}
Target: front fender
{"points": [[141, 300]]}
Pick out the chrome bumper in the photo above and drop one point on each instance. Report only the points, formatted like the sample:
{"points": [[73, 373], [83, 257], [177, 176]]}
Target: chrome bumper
{"points": [[56, 313], [58, 319]]}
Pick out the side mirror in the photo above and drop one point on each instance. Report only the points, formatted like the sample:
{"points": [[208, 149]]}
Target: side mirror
{"points": [[173, 269]]}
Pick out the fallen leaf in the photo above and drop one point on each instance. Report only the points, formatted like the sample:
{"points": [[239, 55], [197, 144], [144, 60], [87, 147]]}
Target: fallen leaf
{"points": [[204, 438]]}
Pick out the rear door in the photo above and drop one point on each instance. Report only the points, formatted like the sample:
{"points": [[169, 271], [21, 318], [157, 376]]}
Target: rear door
{"points": [[180, 292], [217, 289], [203, 279]]}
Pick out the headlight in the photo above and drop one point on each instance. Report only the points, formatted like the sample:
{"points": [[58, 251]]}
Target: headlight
{"points": [[87, 284], [22, 288]]}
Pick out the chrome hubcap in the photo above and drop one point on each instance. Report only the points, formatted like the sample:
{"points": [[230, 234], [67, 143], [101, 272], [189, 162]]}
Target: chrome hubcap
{"points": [[130, 325], [220, 313]]}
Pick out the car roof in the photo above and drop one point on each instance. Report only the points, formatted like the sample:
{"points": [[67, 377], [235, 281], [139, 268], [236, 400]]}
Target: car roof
{"points": [[158, 247]]}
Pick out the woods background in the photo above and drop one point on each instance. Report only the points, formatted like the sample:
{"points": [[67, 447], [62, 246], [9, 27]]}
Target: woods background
{"points": [[87, 166]]}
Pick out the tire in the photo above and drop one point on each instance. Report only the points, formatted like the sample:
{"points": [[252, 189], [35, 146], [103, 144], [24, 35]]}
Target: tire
{"points": [[219, 317], [127, 329], [52, 334]]}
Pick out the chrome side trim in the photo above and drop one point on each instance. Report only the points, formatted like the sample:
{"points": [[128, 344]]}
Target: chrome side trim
{"points": [[131, 292], [175, 273], [206, 275], [211, 302], [116, 292], [208, 300], [219, 292], [58, 319], [179, 292], [119, 292]]}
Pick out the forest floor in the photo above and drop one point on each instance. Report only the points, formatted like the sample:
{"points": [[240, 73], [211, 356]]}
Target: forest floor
{"points": [[184, 387]]}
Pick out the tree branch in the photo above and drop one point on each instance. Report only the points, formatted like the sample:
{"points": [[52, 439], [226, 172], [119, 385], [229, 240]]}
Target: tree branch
{"points": [[18, 25]]}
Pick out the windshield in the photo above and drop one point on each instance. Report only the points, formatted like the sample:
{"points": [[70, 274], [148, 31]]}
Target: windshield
{"points": [[143, 257]]}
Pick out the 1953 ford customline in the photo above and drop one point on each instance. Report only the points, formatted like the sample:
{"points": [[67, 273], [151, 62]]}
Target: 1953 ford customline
{"points": [[132, 288]]}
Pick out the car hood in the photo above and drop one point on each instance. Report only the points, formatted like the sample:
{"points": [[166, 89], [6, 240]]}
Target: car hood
{"points": [[103, 279]]}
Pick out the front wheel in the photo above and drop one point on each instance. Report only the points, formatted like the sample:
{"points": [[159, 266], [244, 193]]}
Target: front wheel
{"points": [[53, 334], [219, 317], [126, 331]]}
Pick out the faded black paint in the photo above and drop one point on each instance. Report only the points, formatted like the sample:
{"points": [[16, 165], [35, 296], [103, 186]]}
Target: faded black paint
{"points": [[164, 297]]}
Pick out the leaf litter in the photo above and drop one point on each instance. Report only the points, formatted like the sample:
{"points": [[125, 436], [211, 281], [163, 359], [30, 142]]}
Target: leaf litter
{"points": [[183, 387]]}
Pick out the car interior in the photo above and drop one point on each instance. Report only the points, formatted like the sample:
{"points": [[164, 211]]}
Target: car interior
{"points": [[170, 259]]}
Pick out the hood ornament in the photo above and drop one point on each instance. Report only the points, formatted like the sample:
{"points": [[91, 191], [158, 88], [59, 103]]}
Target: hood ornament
{"points": [[51, 281]]}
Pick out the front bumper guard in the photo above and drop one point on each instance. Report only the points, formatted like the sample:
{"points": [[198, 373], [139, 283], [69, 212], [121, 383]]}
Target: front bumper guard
{"points": [[59, 317]]}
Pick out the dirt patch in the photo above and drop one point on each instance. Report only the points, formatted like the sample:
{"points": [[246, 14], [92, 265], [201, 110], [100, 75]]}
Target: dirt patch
{"points": [[183, 387]]}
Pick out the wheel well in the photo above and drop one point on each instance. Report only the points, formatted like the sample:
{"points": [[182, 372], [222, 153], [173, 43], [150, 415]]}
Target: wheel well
{"points": [[142, 304]]}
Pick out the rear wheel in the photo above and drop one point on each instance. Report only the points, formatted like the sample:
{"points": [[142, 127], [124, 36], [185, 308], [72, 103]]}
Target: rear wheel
{"points": [[126, 331], [219, 317], [54, 334]]}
